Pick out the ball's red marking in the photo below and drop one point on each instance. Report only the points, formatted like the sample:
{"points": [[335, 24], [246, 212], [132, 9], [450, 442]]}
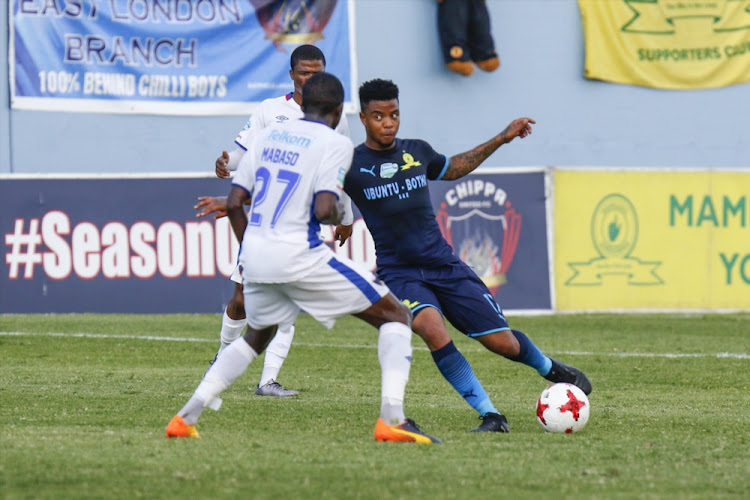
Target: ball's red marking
{"points": [[573, 405], [540, 411]]}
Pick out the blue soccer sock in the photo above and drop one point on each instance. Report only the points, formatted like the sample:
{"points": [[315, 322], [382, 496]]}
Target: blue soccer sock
{"points": [[530, 354], [458, 372]]}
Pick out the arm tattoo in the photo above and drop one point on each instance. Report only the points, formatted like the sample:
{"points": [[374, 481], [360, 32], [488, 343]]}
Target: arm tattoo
{"points": [[464, 163]]}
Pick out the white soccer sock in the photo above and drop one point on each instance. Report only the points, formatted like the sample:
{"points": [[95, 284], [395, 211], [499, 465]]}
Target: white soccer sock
{"points": [[276, 353], [394, 354], [231, 364], [231, 329]]}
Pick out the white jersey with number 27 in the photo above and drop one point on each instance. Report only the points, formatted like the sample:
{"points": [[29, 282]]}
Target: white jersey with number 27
{"points": [[284, 167]]}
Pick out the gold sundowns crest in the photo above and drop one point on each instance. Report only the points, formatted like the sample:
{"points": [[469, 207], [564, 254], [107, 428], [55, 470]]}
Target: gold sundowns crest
{"points": [[614, 233]]}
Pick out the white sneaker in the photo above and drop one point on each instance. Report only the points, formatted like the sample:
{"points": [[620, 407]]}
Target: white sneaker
{"points": [[273, 388]]}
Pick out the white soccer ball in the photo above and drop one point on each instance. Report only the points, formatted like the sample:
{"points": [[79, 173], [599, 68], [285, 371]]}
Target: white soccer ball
{"points": [[562, 408]]}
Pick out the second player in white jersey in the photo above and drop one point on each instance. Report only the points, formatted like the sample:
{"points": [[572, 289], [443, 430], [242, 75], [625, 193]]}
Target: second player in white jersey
{"points": [[282, 109], [305, 61]]}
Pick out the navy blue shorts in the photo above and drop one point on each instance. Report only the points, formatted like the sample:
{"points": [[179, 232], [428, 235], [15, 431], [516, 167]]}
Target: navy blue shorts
{"points": [[454, 290]]}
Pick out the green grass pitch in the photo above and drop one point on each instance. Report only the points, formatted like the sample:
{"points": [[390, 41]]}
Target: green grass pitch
{"points": [[84, 400]]}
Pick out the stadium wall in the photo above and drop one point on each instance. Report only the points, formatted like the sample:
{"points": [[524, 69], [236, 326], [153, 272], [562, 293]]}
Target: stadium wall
{"points": [[580, 122], [62, 256], [695, 221]]}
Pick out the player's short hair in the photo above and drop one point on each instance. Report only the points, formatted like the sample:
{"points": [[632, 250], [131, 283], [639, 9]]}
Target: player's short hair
{"points": [[377, 90], [307, 53], [322, 93]]}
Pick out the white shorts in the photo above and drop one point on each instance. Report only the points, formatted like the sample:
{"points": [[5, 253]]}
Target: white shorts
{"points": [[331, 291]]}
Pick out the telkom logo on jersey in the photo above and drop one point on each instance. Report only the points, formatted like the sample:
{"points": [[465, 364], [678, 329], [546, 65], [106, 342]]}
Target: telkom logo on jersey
{"points": [[287, 138]]}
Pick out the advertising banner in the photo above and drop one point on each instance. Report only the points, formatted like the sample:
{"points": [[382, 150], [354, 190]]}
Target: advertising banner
{"points": [[173, 57], [642, 239], [672, 44], [497, 224], [134, 245], [120, 245]]}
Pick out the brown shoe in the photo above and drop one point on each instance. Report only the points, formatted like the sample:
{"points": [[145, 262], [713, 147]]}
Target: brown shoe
{"points": [[489, 64], [461, 67]]}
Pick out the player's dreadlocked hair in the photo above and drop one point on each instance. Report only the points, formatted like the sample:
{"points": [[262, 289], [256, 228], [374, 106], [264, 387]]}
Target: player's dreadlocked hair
{"points": [[322, 94], [307, 53], [377, 90]]}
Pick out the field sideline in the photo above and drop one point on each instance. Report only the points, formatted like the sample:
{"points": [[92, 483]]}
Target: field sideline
{"points": [[85, 399]]}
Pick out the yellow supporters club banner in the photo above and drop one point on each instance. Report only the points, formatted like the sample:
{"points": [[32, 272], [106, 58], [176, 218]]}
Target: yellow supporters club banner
{"points": [[651, 239], [671, 44]]}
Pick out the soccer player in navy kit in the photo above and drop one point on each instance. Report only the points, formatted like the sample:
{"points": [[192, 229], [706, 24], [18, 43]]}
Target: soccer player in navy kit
{"points": [[388, 182]]}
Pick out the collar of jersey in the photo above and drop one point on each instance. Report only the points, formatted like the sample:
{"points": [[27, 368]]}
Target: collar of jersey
{"points": [[314, 121], [383, 152]]}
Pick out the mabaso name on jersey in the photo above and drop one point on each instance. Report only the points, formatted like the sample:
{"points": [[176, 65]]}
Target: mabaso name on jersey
{"points": [[274, 155]]}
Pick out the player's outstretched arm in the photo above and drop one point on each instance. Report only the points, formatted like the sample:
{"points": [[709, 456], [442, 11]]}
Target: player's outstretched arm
{"points": [[464, 163], [211, 204]]}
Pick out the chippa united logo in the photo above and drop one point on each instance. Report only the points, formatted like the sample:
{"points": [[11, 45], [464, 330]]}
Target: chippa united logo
{"points": [[482, 226]]}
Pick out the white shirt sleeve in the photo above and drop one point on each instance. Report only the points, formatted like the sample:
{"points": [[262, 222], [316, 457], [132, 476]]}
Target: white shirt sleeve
{"points": [[256, 122], [348, 218], [333, 168], [245, 178], [234, 158], [343, 129]]}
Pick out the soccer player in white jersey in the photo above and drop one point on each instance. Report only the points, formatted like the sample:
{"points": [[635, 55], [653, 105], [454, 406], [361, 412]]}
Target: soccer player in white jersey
{"points": [[287, 268], [306, 61]]}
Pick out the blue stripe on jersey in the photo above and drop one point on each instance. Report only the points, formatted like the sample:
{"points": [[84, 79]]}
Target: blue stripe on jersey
{"points": [[313, 228], [442, 172], [289, 96], [357, 280], [240, 145]]}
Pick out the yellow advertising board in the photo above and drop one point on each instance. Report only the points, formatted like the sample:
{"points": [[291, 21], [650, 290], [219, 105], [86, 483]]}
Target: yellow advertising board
{"points": [[652, 239], [675, 44]]}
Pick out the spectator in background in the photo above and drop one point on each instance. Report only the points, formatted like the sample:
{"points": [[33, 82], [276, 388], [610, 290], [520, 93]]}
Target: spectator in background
{"points": [[465, 37]]}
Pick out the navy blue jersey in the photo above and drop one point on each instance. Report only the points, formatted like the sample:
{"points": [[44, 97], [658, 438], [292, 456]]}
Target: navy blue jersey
{"points": [[390, 189]]}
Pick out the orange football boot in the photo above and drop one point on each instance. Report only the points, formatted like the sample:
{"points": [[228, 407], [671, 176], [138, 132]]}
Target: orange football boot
{"points": [[405, 432], [178, 428]]}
